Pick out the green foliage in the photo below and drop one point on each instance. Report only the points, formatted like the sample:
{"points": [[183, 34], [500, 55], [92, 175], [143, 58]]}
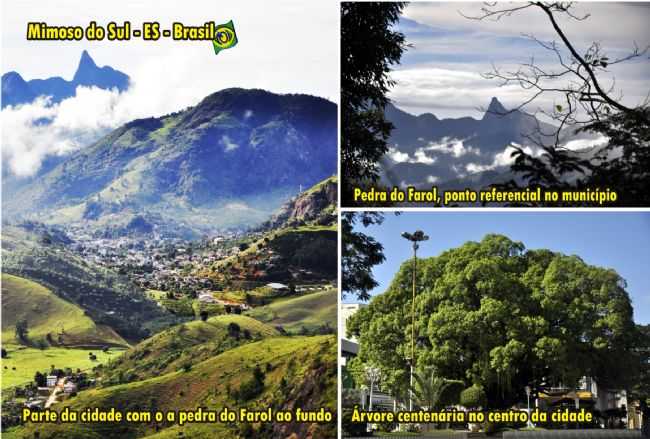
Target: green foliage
{"points": [[494, 314], [641, 387], [359, 254], [435, 393], [252, 387], [473, 397], [352, 429], [233, 329], [628, 173], [22, 331], [364, 84]]}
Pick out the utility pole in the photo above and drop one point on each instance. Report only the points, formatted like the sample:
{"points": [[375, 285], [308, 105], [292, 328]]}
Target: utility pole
{"points": [[415, 238]]}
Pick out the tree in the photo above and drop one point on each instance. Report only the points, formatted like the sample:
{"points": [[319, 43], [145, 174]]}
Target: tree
{"points": [[4, 353], [584, 103], [641, 388], [40, 379], [233, 329], [493, 314], [359, 254], [364, 84], [372, 376], [251, 388], [433, 393], [473, 397], [22, 331], [204, 315]]}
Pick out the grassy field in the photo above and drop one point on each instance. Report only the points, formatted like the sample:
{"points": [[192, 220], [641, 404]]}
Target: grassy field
{"points": [[47, 313], [28, 361], [310, 311]]}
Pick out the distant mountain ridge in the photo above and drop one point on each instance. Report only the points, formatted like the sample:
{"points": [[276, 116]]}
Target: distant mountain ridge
{"points": [[426, 150], [241, 152], [15, 90], [496, 129]]}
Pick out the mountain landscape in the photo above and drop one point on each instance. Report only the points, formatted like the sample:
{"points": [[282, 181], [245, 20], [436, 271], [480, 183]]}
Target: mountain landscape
{"points": [[230, 160], [16, 91], [460, 153], [177, 262]]}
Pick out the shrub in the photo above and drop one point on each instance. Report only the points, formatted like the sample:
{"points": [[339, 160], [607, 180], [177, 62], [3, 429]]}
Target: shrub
{"points": [[352, 428], [473, 397], [251, 388]]}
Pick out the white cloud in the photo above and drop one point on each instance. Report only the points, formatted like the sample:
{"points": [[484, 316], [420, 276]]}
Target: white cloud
{"points": [[630, 23], [446, 92], [228, 144], [32, 132], [397, 156], [440, 72], [237, 206], [455, 147], [502, 159], [581, 144], [432, 179], [422, 157]]}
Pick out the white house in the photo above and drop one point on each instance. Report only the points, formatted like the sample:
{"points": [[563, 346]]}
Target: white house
{"points": [[51, 380], [207, 298], [69, 387]]}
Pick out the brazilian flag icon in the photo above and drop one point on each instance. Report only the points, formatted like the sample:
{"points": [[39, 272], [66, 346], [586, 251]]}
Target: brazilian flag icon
{"points": [[225, 37]]}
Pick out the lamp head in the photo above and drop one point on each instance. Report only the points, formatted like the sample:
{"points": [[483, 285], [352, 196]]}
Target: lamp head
{"points": [[416, 236]]}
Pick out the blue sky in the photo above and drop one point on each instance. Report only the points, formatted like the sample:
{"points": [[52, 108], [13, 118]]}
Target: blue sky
{"points": [[441, 72], [614, 239]]}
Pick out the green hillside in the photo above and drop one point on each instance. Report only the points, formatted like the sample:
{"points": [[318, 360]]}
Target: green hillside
{"points": [[297, 372], [307, 251], [315, 206], [49, 317], [164, 167], [184, 344], [311, 311], [33, 252]]}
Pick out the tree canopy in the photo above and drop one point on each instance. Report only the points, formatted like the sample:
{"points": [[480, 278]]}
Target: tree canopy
{"points": [[359, 254], [494, 314]]}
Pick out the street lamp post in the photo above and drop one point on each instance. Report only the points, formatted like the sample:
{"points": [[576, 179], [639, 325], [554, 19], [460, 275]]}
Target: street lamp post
{"points": [[373, 374], [415, 238]]}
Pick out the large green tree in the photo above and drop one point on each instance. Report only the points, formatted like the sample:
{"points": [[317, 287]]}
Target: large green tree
{"points": [[369, 46], [493, 314], [360, 253]]}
